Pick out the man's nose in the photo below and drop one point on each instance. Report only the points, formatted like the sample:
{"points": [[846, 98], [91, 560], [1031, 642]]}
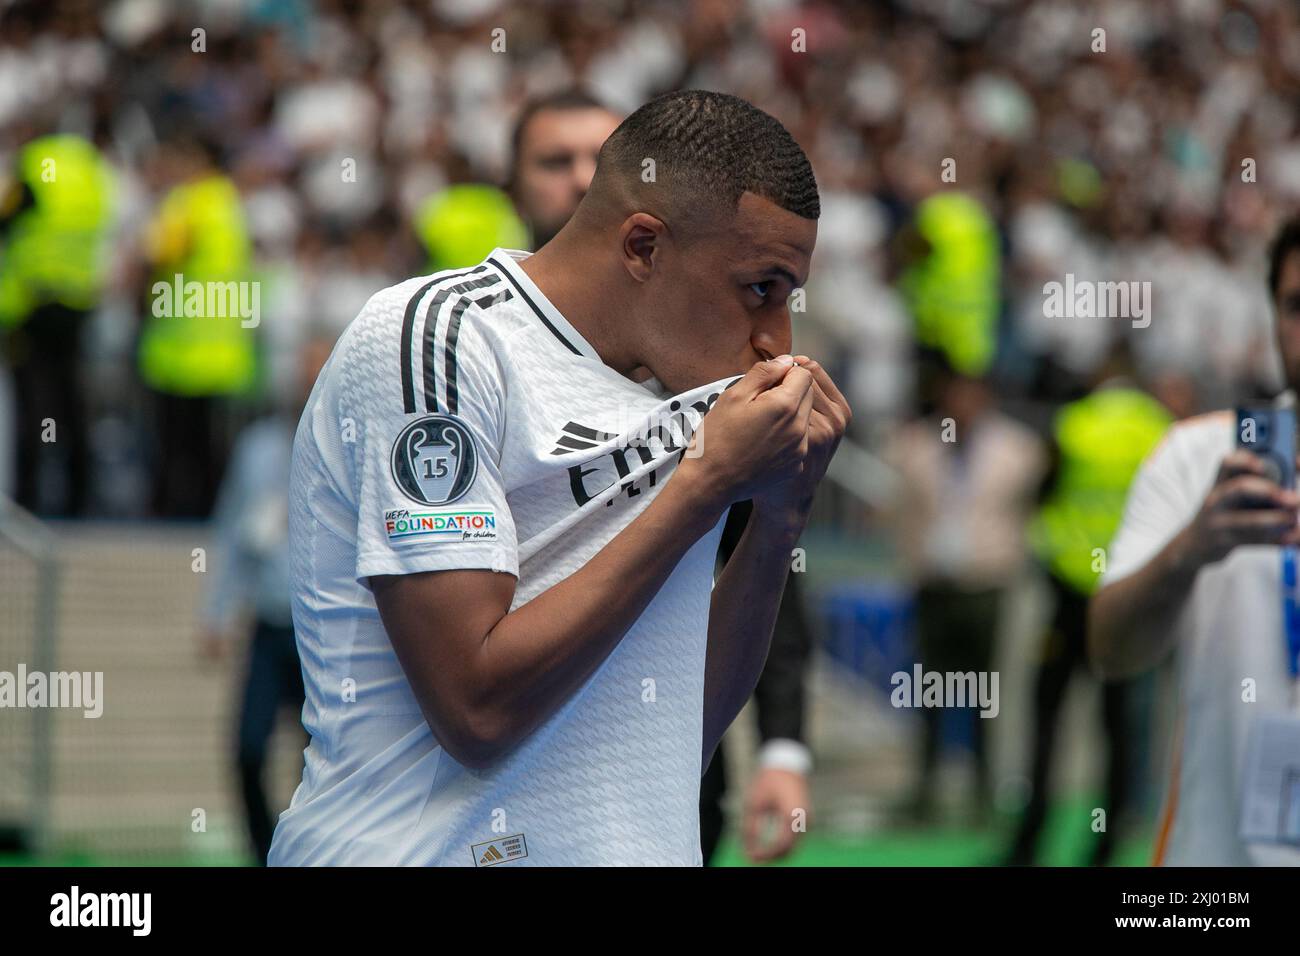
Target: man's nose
{"points": [[773, 337]]}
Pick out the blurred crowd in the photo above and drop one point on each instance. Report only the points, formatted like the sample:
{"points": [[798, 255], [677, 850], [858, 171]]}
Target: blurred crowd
{"points": [[1126, 140]]}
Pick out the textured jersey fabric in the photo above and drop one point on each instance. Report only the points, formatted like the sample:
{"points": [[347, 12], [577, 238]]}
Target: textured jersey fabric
{"points": [[463, 423], [1230, 630]]}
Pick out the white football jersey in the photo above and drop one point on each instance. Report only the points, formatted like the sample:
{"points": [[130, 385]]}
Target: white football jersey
{"points": [[462, 422], [1231, 650]]}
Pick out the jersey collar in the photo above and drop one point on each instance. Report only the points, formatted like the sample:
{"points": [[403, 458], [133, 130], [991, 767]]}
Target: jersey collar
{"points": [[506, 261]]}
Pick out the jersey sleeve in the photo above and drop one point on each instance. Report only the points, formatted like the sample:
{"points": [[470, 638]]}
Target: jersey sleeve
{"points": [[1162, 499], [428, 488]]}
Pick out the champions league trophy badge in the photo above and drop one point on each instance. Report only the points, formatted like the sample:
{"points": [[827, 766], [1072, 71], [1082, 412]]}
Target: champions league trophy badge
{"points": [[434, 454], [434, 460]]}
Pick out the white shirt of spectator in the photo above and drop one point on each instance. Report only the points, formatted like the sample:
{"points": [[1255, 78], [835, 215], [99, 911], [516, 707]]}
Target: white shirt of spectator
{"points": [[1229, 632]]}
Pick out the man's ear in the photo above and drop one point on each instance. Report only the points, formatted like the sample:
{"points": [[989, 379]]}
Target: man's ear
{"points": [[642, 237]]}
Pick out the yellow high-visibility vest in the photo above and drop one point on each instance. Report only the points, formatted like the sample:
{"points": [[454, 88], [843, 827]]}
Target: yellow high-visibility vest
{"points": [[56, 250], [954, 292], [199, 235], [1103, 438], [460, 225]]}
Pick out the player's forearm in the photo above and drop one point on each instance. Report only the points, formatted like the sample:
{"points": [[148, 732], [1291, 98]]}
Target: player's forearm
{"points": [[779, 695], [538, 655], [742, 615], [1131, 621]]}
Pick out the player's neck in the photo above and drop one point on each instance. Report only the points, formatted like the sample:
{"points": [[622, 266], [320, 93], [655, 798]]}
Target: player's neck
{"points": [[579, 288]]}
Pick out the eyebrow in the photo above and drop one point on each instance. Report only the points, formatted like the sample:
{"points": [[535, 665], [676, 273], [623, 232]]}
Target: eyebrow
{"points": [[786, 273]]}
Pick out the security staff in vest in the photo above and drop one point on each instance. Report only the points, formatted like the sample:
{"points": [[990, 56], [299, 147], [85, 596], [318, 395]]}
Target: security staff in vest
{"points": [[1098, 443], [461, 224], [56, 206], [951, 270], [198, 344]]}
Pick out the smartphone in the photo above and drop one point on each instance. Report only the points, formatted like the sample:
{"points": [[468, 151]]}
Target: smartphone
{"points": [[1270, 434]]}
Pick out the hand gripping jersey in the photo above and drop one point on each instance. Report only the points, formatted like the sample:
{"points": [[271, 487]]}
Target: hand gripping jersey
{"points": [[463, 423]]}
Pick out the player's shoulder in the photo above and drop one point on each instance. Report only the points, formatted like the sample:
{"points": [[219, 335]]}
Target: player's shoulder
{"points": [[420, 310], [427, 343], [388, 316], [385, 311]]}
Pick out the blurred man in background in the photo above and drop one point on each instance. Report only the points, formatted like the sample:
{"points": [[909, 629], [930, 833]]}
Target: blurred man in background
{"points": [[251, 573], [778, 801], [553, 156], [1204, 564], [950, 280], [1098, 442], [192, 361], [969, 473], [56, 206]]}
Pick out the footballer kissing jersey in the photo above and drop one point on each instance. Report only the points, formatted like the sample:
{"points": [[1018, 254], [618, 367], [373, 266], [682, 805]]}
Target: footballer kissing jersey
{"points": [[462, 422]]}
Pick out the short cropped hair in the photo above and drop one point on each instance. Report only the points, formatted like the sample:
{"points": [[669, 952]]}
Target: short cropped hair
{"points": [[711, 148]]}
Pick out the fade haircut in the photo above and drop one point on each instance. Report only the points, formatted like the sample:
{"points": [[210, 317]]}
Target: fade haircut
{"points": [[708, 148]]}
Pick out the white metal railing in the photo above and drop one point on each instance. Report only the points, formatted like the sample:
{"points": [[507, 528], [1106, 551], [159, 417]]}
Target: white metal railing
{"points": [[28, 536], [864, 475]]}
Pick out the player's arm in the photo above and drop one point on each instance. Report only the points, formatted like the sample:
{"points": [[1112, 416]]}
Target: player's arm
{"points": [[747, 595], [487, 676], [1129, 620]]}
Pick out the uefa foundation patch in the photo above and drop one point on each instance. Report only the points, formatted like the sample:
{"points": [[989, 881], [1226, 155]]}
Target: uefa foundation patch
{"points": [[401, 524], [504, 850]]}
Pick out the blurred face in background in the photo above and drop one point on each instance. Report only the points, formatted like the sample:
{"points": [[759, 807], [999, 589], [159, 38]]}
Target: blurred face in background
{"points": [[1287, 302], [557, 158], [964, 399]]}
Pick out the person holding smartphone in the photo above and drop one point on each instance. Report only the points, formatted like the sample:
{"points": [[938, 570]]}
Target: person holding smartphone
{"points": [[1199, 567]]}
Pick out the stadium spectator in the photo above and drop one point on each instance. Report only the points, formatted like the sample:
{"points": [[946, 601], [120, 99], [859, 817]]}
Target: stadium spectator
{"points": [[969, 473], [251, 574], [1204, 566], [56, 208], [1098, 442]]}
